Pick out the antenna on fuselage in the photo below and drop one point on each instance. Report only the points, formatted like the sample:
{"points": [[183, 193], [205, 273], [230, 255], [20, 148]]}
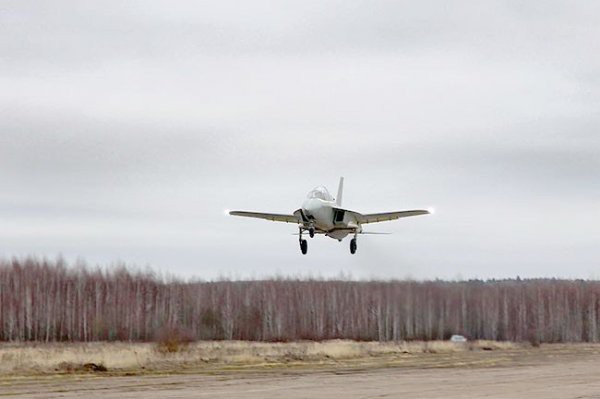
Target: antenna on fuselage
{"points": [[338, 198]]}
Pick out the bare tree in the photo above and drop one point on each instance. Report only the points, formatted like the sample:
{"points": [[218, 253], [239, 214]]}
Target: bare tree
{"points": [[49, 301]]}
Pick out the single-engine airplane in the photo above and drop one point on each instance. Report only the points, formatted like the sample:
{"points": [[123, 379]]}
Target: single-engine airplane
{"points": [[321, 213]]}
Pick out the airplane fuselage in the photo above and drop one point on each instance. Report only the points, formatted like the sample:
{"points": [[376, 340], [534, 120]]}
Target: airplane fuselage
{"points": [[324, 216], [320, 211]]}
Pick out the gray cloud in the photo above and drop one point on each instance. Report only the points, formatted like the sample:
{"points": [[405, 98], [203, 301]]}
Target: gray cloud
{"points": [[127, 128]]}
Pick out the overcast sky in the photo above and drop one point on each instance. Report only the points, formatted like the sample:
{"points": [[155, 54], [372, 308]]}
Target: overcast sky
{"points": [[127, 128]]}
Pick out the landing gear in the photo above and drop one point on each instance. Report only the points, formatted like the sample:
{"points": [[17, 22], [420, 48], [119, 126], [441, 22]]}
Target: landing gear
{"points": [[353, 245], [311, 232], [304, 247], [303, 244]]}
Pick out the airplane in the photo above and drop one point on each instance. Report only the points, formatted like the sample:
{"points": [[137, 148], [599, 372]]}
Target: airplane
{"points": [[321, 213]]}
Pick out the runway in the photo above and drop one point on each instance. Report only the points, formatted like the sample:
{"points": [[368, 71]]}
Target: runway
{"points": [[573, 378]]}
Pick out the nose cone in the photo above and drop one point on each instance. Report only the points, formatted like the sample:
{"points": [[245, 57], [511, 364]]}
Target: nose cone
{"points": [[311, 205]]}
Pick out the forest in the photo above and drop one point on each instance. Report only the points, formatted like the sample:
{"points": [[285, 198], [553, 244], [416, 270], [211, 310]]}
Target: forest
{"points": [[49, 301]]}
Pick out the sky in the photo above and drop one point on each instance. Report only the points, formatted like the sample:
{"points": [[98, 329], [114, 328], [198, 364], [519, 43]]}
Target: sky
{"points": [[127, 128]]}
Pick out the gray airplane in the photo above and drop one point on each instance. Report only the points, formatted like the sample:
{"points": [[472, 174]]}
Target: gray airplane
{"points": [[321, 213]]}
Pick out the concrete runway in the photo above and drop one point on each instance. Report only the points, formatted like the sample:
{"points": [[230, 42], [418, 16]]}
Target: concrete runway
{"points": [[579, 378]]}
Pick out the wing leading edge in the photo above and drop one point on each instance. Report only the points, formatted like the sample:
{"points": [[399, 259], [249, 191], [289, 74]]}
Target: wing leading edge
{"points": [[297, 217], [386, 216], [275, 217]]}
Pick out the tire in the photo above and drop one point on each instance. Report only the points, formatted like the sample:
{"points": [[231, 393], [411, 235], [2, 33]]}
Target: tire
{"points": [[353, 246], [304, 247], [311, 232]]}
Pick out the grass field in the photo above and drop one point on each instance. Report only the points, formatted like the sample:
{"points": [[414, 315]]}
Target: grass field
{"points": [[142, 358]]}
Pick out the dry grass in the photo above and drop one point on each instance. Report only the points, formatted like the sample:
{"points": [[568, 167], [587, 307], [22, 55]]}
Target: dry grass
{"points": [[28, 358]]}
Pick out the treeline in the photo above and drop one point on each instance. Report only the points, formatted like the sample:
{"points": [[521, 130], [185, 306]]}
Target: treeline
{"points": [[49, 301]]}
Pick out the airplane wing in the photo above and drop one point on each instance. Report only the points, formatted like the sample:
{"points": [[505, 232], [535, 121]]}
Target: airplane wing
{"points": [[385, 216], [275, 217]]}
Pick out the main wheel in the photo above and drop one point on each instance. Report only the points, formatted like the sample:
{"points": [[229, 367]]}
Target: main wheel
{"points": [[353, 246], [304, 247], [311, 232]]}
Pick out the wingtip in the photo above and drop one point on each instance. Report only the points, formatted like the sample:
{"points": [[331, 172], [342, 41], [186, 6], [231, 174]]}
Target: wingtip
{"points": [[431, 210]]}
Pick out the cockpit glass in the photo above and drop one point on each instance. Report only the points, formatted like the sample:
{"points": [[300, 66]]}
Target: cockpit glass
{"points": [[320, 192]]}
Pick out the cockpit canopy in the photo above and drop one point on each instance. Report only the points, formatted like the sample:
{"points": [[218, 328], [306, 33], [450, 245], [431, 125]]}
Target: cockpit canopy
{"points": [[320, 192]]}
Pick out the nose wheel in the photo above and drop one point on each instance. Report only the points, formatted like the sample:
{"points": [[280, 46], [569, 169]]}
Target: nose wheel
{"points": [[311, 232], [353, 246]]}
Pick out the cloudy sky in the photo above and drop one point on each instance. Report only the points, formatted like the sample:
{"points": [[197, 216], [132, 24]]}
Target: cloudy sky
{"points": [[127, 128]]}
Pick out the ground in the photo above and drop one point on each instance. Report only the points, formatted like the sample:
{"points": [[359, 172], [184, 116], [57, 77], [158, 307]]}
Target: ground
{"points": [[369, 370]]}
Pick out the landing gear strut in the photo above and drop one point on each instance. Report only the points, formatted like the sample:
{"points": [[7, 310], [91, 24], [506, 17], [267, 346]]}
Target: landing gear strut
{"points": [[353, 245], [303, 244]]}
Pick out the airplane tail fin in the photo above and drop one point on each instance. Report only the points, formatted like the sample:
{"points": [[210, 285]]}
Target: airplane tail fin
{"points": [[338, 199]]}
